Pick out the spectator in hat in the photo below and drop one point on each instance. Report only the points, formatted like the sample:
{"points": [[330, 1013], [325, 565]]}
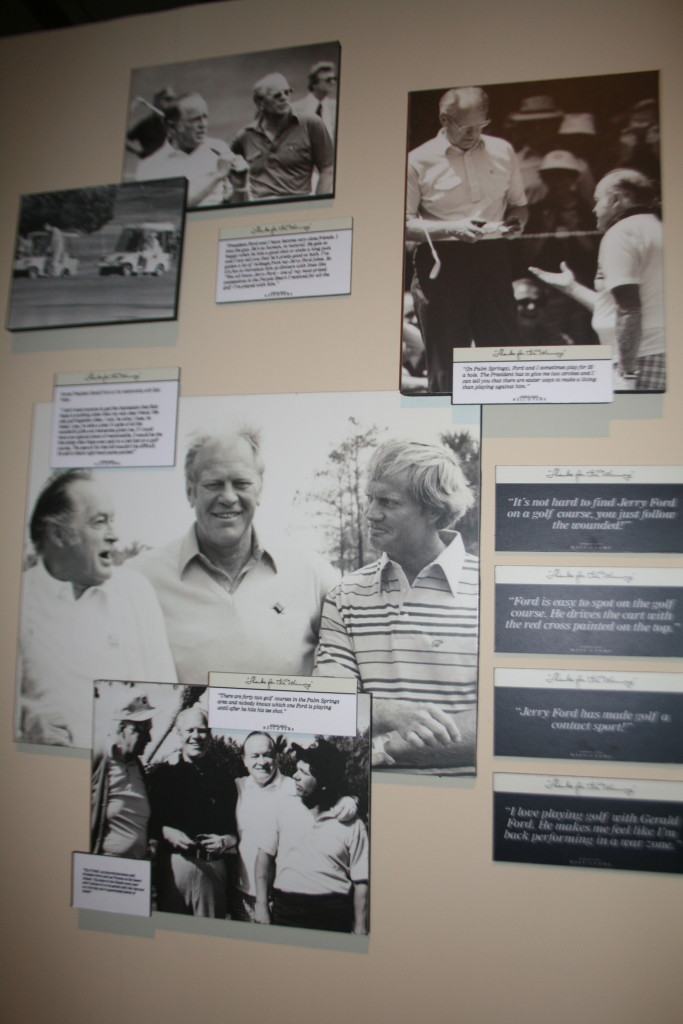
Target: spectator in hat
{"points": [[578, 135], [532, 130], [531, 299], [120, 802], [320, 862], [563, 213]]}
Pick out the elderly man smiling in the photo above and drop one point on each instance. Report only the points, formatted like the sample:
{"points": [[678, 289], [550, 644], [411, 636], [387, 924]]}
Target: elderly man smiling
{"points": [[231, 603], [81, 619], [283, 148]]}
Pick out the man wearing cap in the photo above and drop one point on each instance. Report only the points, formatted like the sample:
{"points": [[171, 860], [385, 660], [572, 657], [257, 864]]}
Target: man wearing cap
{"points": [[628, 301], [215, 174], [320, 862], [233, 602], [81, 617], [120, 803], [282, 148], [465, 194], [193, 814]]}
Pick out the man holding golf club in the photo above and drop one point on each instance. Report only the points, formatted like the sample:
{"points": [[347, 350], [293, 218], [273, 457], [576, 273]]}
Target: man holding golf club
{"points": [[464, 198]]}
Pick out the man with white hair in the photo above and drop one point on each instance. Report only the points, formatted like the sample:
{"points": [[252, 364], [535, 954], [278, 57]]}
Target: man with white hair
{"points": [[215, 175], [193, 813], [406, 626], [628, 301], [231, 603], [465, 193], [81, 617], [282, 148]]}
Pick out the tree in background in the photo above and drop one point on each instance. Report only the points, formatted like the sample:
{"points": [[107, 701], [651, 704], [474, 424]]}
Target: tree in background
{"points": [[79, 209], [467, 449], [340, 498]]}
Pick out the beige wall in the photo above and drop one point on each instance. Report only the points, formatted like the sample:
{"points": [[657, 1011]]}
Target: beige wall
{"points": [[455, 937]]}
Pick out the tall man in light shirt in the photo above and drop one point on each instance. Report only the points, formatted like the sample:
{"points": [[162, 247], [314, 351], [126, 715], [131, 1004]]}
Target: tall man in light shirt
{"points": [[406, 626], [464, 190], [233, 602], [81, 618]]}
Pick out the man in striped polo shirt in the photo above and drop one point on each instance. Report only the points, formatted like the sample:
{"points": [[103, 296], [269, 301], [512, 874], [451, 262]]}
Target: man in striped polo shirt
{"points": [[407, 624]]}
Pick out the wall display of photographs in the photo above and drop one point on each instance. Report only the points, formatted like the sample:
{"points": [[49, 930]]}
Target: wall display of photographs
{"points": [[247, 826], [247, 128], [533, 218], [104, 255], [230, 570]]}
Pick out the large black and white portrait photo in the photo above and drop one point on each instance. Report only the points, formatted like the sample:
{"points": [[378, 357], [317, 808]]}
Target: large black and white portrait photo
{"points": [[104, 255], [246, 128], [330, 534], [252, 827], [533, 217]]}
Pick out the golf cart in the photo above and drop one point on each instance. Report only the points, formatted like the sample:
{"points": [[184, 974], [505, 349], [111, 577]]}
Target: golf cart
{"points": [[146, 248], [34, 259]]}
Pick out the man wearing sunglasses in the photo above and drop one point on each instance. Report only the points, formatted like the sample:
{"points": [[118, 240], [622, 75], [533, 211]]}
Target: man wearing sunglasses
{"points": [[282, 148], [464, 198]]}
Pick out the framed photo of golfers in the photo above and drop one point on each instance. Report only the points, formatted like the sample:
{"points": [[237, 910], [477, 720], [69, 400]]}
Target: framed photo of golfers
{"points": [[245, 128], [533, 220]]}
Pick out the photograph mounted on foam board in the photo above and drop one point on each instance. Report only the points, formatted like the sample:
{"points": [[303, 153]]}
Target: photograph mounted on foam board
{"points": [[533, 217], [243, 129], [327, 534], [104, 255]]}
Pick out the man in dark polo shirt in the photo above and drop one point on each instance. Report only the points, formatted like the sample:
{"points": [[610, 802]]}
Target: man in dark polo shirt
{"points": [[282, 148]]}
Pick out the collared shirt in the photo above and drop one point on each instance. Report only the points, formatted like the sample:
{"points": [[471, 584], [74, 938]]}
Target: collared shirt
{"points": [[416, 642], [316, 856], [112, 631], [197, 166], [127, 810], [325, 109], [448, 183], [267, 620], [631, 253], [283, 166], [257, 809]]}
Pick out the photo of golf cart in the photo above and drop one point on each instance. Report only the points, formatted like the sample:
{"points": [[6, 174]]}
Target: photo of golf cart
{"points": [[144, 249], [35, 256]]}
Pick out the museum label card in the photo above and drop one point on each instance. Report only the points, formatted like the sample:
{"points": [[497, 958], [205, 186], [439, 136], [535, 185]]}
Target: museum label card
{"points": [[525, 375], [604, 716], [285, 261], [281, 708], [623, 824], [114, 418], [119, 885], [589, 610], [589, 508]]}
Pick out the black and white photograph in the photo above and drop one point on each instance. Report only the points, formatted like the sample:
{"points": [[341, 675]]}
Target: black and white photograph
{"points": [[319, 534], [533, 217], [253, 827], [245, 128], [104, 255]]}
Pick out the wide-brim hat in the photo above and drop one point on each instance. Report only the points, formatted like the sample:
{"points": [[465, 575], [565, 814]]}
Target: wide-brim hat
{"points": [[559, 160], [536, 108], [577, 124], [136, 709]]}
